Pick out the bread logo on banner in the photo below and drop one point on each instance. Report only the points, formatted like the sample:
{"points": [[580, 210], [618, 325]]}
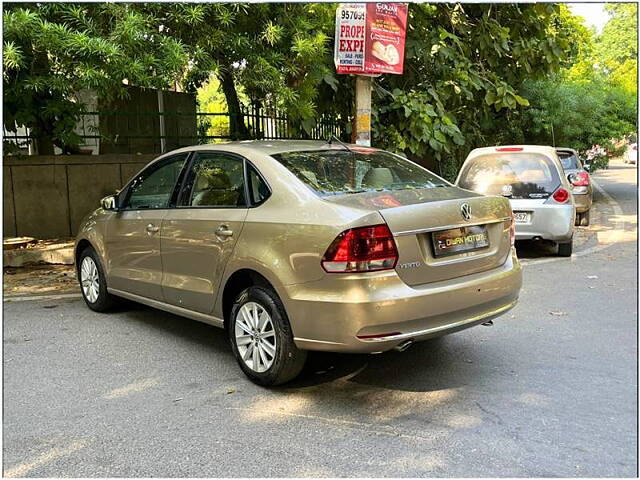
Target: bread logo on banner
{"points": [[388, 54]]}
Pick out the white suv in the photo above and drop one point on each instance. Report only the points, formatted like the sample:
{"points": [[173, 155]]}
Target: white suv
{"points": [[532, 178]]}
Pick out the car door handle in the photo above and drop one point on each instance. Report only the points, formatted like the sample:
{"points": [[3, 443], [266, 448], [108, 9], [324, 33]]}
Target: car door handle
{"points": [[151, 228], [223, 231]]}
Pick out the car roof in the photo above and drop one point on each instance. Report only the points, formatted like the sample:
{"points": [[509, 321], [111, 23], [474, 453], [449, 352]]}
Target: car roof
{"points": [[547, 150], [268, 147], [565, 149]]}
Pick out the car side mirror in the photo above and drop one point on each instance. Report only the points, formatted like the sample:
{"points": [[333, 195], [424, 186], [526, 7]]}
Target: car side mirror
{"points": [[586, 167], [109, 203]]}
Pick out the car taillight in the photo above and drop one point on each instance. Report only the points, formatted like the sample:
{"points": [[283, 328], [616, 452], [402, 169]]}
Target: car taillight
{"points": [[512, 229], [362, 249], [561, 195], [580, 179]]}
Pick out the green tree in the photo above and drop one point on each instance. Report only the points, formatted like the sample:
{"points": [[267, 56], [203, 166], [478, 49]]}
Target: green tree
{"points": [[577, 114], [211, 100], [276, 53], [464, 68], [619, 39], [616, 49], [593, 101], [54, 50]]}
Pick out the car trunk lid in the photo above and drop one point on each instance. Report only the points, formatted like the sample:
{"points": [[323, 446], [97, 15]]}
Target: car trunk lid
{"points": [[417, 217]]}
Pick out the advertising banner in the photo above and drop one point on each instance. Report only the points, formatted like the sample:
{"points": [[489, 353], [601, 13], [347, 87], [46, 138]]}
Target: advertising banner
{"points": [[385, 31], [370, 38], [349, 41]]}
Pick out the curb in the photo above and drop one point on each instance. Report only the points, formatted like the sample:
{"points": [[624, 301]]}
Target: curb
{"points": [[30, 256], [32, 298]]}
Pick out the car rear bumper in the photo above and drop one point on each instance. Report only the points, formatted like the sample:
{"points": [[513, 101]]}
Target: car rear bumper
{"points": [[583, 201], [332, 314], [549, 222]]}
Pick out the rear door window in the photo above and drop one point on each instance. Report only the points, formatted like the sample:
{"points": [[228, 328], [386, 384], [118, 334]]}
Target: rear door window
{"points": [[569, 161], [513, 175], [215, 179], [258, 189]]}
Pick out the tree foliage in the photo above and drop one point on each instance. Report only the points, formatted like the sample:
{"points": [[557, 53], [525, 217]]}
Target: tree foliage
{"points": [[464, 67], [276, 53], [54, 50], [594, 100], [616, 49], [475, 74], [577, 114]]}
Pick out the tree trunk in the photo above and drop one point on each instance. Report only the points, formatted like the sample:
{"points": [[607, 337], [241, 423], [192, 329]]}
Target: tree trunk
{"points": [[237, 128], [44, 145], [42, 136]]}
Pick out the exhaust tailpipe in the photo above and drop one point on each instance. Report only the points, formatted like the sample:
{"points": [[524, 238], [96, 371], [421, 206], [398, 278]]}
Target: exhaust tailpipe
{"points": [[404, 345]]}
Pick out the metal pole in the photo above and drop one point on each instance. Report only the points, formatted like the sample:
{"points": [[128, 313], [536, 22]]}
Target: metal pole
{"points": [[363, 110]]}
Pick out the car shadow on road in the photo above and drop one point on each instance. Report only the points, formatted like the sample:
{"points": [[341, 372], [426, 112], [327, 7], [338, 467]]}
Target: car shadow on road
{"points": [[535, 249], [176, 326], [433, 365]]}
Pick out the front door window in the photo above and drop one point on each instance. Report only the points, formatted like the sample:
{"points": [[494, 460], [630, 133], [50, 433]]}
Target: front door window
{"points": [[154, 187]]}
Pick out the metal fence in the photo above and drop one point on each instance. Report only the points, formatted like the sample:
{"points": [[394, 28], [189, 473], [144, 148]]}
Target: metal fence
{"points": [[153, 132]]}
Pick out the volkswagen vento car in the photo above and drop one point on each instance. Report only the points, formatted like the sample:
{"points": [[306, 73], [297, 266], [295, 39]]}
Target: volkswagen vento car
{"points": [[301, 245], [580, 182], [533, 180]]}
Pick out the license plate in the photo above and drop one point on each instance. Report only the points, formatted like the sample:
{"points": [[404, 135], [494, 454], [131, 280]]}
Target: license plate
{"points": [[522, 217], [459, 240]]}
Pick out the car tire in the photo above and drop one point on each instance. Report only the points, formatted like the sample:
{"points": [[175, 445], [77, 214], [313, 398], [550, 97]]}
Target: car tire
{"points": [[584, 219], [93, 282], [261, 338], [565, 249]]}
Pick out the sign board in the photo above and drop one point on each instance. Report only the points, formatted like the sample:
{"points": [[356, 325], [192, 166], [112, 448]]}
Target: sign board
{"points": [[370, 38], [349, 39]]}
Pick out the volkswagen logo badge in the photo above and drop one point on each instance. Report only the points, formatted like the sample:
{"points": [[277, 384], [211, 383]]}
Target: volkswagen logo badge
{"points": [[465, 211]]}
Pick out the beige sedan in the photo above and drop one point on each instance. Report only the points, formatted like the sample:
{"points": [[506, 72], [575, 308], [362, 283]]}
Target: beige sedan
{"points": [[301, 245]]}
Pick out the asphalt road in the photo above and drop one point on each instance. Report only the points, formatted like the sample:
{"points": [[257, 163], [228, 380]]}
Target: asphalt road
{"points": [[549, 390]]}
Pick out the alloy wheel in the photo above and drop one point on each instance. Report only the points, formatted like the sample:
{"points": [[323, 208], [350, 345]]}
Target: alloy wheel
{"points": [[255, 337], [90, 279]]}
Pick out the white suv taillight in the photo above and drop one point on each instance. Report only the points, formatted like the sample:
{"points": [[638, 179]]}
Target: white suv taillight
{"points": [[561, 195], [362, 249]]}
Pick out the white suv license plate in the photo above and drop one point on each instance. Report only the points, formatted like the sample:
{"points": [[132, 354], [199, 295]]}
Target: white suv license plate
{"points": [[522, 217]]}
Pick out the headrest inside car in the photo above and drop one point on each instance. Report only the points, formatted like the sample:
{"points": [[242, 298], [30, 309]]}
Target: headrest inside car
{"points": [[378, 178]]}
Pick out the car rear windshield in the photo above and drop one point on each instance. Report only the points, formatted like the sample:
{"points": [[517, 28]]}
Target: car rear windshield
{"points": [[569, 160], [513, 175], [335, 172]]}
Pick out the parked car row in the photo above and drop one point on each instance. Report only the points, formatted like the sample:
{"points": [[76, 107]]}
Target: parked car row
{"points": [[580, 181], [631, 154], [293, 246], [548, 189]]}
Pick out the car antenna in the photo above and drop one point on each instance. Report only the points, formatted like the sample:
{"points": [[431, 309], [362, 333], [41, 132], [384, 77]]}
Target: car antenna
{"points": [[333, 137]]}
